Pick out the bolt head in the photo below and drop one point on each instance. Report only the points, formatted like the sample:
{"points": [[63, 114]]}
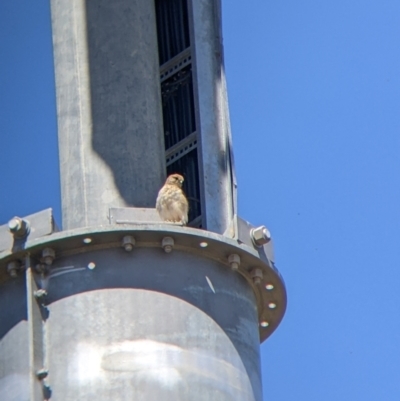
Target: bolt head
{"points": [[12, 268], [15, 224], [167, 244], [128, 243], [40, 293], [48, 255], [18, 227], [257, 275], [234, 266], [234, 261], [256, 280], [260, 235], [41, 374]]}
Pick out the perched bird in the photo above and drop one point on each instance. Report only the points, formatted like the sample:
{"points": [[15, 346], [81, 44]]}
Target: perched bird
{"points": [[171, 203]]}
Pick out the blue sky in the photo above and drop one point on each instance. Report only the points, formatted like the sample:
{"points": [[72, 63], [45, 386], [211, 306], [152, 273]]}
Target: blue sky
{"points": [[314, 92]]}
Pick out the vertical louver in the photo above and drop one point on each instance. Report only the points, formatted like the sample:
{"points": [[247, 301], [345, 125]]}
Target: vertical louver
{"points": [[178, 101], [178, 107], [172, 28]]}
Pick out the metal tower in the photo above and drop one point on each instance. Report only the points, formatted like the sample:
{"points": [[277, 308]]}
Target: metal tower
{"points": [[120, 305]]}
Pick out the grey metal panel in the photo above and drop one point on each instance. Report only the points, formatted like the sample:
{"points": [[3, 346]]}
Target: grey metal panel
{"points": [[215, 145], [153, 325], [14, 342], [109, 107], [40, 224], [240, 230], [14, 365], [132, 215]]}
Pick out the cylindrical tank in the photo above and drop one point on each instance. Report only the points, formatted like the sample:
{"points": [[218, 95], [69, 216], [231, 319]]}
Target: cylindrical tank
{"points": [[154, 312]]}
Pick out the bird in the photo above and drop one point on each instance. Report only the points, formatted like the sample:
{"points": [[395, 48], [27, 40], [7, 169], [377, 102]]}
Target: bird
{"points": [[171, 203]]}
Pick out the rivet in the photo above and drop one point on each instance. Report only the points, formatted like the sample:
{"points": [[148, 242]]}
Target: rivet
{"points": [[128, 242], [167, 244], [256, 275], [48, 256], [234, 261], [42, 374], [12, 268]]}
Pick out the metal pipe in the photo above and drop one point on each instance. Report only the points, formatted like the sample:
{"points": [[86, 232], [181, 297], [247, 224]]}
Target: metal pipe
{"points": [[106, 321]]}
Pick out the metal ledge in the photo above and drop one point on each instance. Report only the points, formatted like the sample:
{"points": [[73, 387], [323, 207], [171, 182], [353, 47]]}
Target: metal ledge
{"points": [[41, 224], [270, 293]]}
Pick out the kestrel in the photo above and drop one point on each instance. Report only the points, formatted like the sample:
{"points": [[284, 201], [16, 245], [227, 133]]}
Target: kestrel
{"points": [[171, 203]]}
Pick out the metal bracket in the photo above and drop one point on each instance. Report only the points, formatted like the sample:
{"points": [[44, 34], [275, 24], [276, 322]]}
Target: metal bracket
{"points": [[241, 230], [40, 224], [36, 345]]}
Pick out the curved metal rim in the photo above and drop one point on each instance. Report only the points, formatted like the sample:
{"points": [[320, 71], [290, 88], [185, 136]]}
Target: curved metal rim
{"points": [[270, 293]]}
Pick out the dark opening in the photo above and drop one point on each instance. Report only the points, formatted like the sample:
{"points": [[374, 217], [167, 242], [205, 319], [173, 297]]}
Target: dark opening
{"points": [[188, 167], [178, 103], [178, 107], [172, 28]]}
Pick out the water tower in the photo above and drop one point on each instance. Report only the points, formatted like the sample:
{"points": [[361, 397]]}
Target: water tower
{"points": [[120, 305]]}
